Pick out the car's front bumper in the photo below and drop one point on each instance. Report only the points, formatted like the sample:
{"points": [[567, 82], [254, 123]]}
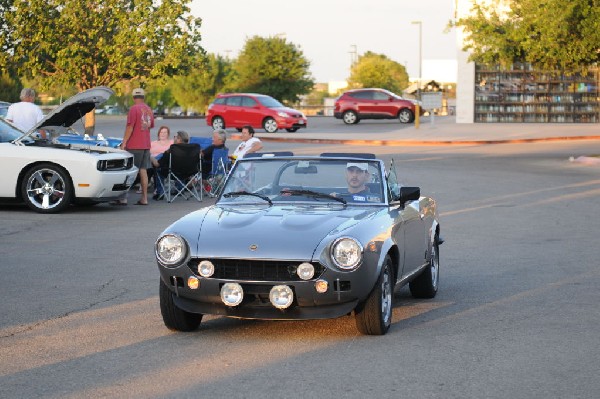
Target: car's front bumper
{"points": [[291, 123]]}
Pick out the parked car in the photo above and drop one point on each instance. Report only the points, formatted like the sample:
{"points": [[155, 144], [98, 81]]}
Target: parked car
{"points": [[286, 240], [68, 135], [257, 110], [354, 105], [49, 176]]}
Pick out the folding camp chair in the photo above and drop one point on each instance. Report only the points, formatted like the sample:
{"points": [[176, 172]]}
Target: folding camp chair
{"points": [[185, 170], [220, 167]]}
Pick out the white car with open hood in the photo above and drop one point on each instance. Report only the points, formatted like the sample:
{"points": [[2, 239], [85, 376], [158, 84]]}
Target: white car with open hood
{"points": [[49, 176]]}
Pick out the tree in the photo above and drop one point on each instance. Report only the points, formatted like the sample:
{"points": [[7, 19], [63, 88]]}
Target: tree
{"points": [[377, 70], [271, 66], [196, 89], [550, 34], [98, 43]]}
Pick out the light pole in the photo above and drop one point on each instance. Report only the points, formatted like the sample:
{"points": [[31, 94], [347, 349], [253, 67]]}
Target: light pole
{"points": [[420, 23]]}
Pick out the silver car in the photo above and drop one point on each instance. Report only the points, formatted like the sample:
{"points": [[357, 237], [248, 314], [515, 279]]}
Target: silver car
{"points": [[301, 237]]}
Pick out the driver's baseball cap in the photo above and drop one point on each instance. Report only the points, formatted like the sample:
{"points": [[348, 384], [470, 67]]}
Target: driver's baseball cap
{"points": [[360, 165]]}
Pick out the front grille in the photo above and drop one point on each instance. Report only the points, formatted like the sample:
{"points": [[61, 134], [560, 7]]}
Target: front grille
{"points": [[260, 270]]}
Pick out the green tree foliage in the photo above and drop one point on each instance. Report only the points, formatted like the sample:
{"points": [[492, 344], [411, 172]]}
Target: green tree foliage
{"points": [[550, 34], [271, 66], [88, 43], [377, 70], [194, 91]]}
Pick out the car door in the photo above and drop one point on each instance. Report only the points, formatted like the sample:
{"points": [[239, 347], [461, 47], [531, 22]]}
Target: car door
{"points": [[250, 112], [383, 105], [367, 107], [410, 235], [232, 112]]}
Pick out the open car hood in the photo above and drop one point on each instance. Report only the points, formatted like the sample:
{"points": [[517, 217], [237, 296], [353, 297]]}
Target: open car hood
{"points": [[72, 109]]}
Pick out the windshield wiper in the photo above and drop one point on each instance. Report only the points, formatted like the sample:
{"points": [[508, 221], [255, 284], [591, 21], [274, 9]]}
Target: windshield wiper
{"points": [[314, 194], [240, 193]]}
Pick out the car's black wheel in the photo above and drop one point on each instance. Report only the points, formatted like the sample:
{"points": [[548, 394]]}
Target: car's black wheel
{"points": [[350, 117], [47, 188], [270, 125], [426, 285], [173, 317], [406, 116], [292, 130], [374, 316], [218, 123]]}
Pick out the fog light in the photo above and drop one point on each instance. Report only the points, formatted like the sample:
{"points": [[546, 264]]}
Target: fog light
{"points": [[305, 271], [193, 283], [321, 286], [206, 268], [281, 296], [232, 294]]}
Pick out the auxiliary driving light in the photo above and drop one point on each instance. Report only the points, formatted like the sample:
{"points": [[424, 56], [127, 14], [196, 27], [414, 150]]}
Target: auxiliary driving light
{"points": [[321, 286], [281, 296], [193, 283], [305, 271], [206, 268], [232, 294]]}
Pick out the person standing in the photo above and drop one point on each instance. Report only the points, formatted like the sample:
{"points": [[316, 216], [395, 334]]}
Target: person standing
{"points": [[136, 140], [25, 114], [249, 143]]}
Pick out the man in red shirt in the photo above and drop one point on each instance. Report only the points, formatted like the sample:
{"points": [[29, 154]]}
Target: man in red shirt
{"points": [[137, 139]]}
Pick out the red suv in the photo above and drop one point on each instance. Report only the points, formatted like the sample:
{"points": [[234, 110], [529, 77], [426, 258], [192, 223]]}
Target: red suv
{"points": [[354, 105], [257, 110]]}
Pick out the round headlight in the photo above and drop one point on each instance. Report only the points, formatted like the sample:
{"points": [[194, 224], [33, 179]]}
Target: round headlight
{"points": [[305, 271], [346, 253], [206, 268], [232, 294], [170, 249], [281, 296]]}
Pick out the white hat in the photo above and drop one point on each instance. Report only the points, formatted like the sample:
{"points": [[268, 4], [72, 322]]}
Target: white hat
{"points": [[359, 165], [139, 92]]}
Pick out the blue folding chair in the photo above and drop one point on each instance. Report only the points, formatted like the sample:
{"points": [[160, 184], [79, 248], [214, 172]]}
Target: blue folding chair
{"points": [[220, 167]]}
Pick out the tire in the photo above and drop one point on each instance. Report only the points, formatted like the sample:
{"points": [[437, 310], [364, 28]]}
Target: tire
{"points": [[374, 316], [270, 125], [173, 317], [406, 116], [292, 130], [218, 123], [47, 188], [350, 118], [426, 285]]}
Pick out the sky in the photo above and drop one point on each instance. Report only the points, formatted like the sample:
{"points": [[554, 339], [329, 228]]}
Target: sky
{"points": [[328, 30]]}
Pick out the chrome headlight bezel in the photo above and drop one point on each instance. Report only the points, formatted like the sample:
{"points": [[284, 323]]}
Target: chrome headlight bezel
{"points": [[354, 253], [179, 245]]}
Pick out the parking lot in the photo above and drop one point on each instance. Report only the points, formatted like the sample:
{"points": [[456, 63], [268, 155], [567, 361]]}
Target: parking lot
{"points": [[516, 315]]}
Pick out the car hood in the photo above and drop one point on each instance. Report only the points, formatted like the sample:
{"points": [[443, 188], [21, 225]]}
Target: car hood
{"points": [[288, 110], [72, 109], [274, 232]]}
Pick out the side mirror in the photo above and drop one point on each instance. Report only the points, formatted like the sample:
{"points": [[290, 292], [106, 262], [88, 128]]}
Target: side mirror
{"points": [[408, 194]]}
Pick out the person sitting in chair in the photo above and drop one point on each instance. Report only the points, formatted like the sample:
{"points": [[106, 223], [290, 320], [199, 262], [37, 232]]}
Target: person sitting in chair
{"points": [[218, 142]]}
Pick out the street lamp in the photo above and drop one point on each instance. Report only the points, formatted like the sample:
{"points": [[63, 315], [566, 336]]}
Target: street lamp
{"points": [[420, 23]]}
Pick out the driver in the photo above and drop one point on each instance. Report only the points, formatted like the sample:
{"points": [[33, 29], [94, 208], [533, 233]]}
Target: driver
{"points": [[357, 177]]}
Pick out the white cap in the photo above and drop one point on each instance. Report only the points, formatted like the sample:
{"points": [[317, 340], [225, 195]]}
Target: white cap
{"points": [[359, 165]]}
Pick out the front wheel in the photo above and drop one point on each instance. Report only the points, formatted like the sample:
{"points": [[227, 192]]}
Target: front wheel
{"points": [[173, 317], [426, 285], [406, 116], [47, 188], [218, 123], [374, 316], [270, 125]]}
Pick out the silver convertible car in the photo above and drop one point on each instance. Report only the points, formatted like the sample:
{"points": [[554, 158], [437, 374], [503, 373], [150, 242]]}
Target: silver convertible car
{"points": [[301, 237], [49, 176]]}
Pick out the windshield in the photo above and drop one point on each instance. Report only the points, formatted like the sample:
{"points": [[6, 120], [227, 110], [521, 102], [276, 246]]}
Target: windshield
{"points": [[333, 181], [269, 102]]}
